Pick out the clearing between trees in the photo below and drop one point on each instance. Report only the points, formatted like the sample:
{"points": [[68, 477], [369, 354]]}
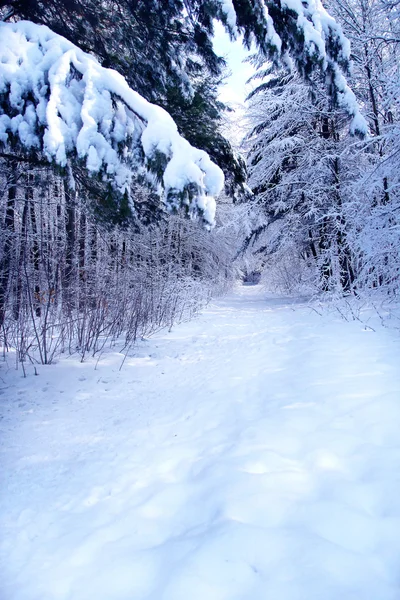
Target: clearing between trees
{"points": [[252, 453]]}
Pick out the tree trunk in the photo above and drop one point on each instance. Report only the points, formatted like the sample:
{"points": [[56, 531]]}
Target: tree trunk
{"points": [[9, 231], [70, 247]]}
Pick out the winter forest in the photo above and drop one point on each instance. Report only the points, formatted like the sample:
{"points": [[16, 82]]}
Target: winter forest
{"points": [[124, 206], [199, 300]]}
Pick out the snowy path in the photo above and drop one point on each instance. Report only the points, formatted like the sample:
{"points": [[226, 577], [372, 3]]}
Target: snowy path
{"points": [[252, 454]]}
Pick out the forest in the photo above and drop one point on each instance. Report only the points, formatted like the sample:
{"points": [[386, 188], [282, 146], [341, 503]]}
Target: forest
{"points": [[199, 300], [124, 206]]}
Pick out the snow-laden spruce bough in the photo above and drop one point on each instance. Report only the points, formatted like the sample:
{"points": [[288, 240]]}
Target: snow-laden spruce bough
{"points": [[57, 99], [63, 103]]}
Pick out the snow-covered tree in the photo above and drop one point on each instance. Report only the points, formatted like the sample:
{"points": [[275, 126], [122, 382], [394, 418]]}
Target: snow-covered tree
{"points": [[374, 31], [300, 170], [58, 101], [165, 52], [156, 44], [67, 284]]}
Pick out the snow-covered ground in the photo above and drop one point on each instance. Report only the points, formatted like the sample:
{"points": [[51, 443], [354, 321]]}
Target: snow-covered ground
{"points": [[252, 454]]}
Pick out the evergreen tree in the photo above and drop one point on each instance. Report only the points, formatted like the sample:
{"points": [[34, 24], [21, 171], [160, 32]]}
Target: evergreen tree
{"points": [[200, 118], [166, 57], [159, 44], [58, 104], [374, 31], [300, 171]]}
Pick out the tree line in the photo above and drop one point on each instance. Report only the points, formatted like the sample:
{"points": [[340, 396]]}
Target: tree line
{"points": [[81, 267], [328, 202]]}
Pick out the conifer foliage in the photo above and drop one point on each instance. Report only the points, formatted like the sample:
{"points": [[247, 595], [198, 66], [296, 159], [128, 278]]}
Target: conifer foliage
{"points": [[164, 50], [58, 100], [158, 43]]}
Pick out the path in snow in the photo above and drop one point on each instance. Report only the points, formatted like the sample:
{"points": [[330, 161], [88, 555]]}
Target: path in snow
{"points": [[252, 454]]}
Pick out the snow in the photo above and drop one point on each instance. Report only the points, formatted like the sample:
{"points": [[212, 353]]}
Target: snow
{"points": [[318, 26], [229, 11], [251, 453], [89, 111], [272, 37]]}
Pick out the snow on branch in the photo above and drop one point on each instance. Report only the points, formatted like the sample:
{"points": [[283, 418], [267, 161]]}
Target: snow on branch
{"points": [[322, 34], [305, 31], [57, 99]]}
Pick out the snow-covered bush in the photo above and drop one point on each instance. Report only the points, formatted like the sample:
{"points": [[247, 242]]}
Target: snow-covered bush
{"points": [[290, 274], [57, 100], [70, 285]]}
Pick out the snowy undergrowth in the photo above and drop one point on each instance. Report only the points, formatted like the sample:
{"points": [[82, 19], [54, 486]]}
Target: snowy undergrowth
{"points": [[373, 311], [251, 453]]}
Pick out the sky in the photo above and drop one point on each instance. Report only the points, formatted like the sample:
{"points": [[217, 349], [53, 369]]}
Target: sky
{"points": [[234, 91]]}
